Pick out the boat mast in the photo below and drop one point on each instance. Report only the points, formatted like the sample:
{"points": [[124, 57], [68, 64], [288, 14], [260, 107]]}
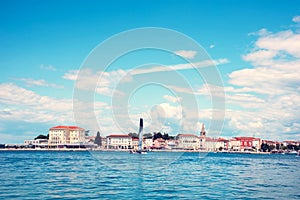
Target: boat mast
{"points": [[141, 135]]}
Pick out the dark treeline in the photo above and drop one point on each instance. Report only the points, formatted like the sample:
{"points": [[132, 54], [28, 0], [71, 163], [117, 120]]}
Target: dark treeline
{"points": [[154, 136], [268, 148]]}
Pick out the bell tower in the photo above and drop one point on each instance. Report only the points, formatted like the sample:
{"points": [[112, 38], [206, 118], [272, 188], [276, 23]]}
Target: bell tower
{"points": [[203, 131], [202, 138]]}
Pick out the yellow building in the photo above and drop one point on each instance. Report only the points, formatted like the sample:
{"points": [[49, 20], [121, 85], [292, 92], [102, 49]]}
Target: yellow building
{"points": [[60, 135]]}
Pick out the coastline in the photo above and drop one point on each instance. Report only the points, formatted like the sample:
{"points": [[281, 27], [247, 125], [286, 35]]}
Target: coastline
{"points": [[154, 151]]}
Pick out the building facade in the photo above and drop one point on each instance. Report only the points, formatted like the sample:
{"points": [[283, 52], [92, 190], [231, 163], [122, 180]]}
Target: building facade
{"points": [[119, 142], [37, 142], [61, 135], [245, 143], [188, 141]]}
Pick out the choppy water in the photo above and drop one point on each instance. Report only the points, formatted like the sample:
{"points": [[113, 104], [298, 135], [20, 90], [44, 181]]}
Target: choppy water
{"points": [[119, 175]]}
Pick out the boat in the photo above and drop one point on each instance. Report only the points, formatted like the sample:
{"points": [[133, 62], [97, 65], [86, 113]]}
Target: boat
{"points": [[293, 152], [140, 145]]}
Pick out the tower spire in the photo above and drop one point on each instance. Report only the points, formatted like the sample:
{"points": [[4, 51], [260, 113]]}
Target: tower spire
{"points": [[203, 131]]}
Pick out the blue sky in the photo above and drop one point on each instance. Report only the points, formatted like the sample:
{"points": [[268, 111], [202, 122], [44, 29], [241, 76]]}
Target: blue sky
{"points": [[44, 44]]}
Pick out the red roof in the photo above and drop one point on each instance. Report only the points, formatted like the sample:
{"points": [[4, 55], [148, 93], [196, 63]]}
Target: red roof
{"points": [[222, 140], [290, 141], [67, 127], [187, 135], [119, 135], [209, 139], [246, 138]]}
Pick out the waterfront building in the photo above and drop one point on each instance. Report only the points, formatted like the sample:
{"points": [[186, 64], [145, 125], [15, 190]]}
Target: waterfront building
{"points": [[290, 142], [216, 144], [188, 141], [148, 143], [42, 143], [171, 144], [90, 139], [234, 144], [104, 142], [248, 143], [64, 135], [119, 141], [159, 143], [222, 144], [135, 143]]}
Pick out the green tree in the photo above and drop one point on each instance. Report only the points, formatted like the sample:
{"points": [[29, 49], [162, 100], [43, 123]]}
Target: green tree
{"points": [[41, 137], [264, 147], [133, 135], [148, 135], [157, 135], [166, 136], [98, 139]]}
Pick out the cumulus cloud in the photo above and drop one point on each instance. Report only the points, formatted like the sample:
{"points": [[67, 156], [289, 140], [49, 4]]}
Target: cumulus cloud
{"points": [[269, 91], [39, 82], [102, 82], [296, 19], [71, 75], [281, 42], [186, 53], [172, 99], [25, 105]]}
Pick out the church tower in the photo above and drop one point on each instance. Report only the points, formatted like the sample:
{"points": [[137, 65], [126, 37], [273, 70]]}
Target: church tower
{"points": [[202, 138], [203, 131]]}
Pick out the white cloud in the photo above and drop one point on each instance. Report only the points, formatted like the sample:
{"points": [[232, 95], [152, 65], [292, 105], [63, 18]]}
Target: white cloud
{"points": [[261, 32], [104, 82], [211, 46], [267, 93], [23, 105], [281, 42], [71, 75], [172, 99], [39, 82], [48, 67], [186, 53], [107, 81], [296, 19], [205, 63], [260, 57]]}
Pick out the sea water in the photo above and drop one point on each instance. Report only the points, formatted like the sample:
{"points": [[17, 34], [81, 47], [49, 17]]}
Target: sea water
{"points": [[156, 175]]}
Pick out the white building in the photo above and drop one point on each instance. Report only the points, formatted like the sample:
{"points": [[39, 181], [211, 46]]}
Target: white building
{"points": [[119, 142], [36, 142], [256, 143], [148, 143], [135, 143], [61, 135], [216, 144], [188, 141], [234, 145]]}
